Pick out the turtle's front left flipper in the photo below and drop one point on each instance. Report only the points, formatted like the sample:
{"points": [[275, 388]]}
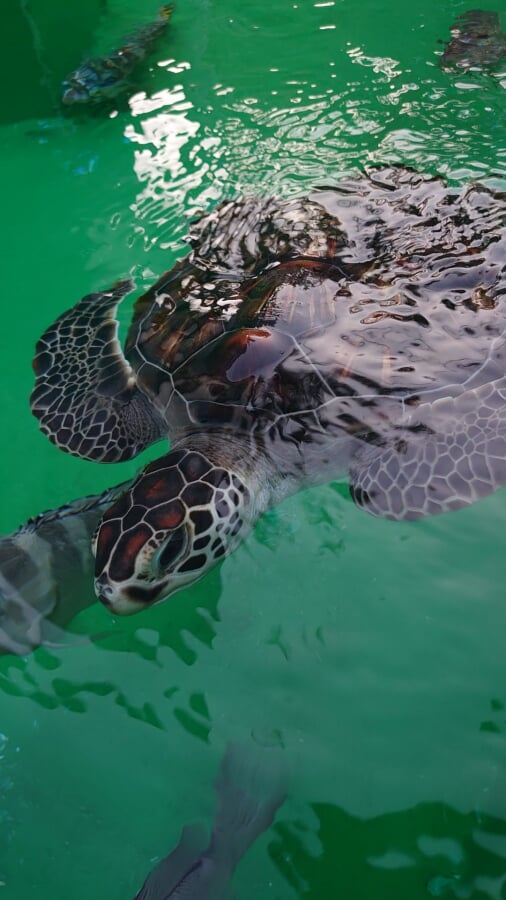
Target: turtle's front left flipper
{"points": [[453, 454], [85, 395]]}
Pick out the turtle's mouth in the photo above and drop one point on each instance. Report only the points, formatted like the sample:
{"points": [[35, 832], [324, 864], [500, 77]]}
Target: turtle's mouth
{"points": [[129, 599]]}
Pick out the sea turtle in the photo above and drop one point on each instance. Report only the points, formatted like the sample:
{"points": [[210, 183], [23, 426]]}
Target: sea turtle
{"points": [[357, 331], [103, 78], [477, 41]]}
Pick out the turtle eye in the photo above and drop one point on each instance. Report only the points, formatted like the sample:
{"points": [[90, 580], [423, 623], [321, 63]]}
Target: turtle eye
{"points": [[171, 549]]}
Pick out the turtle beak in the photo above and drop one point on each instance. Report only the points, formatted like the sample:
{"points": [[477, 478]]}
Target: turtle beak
{"points": [[104, 592], [114, 603], [128, 600]]}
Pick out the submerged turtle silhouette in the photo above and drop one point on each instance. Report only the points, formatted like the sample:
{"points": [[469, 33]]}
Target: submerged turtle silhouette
{"points": [[102, 78], [358, 331], [477, 41]]}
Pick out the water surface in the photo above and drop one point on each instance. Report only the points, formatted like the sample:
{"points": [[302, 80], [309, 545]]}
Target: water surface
{"points": [[373, 652]]}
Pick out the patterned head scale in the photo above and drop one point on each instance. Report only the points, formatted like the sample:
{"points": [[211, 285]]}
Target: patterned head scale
{"points": [[180, 517]]}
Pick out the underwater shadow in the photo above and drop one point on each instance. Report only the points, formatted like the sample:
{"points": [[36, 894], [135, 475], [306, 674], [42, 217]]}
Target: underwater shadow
{"points": [[429, 850]]}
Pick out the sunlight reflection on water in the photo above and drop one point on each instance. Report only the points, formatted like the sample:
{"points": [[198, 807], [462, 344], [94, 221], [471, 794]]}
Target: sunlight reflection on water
{"points": [[172, 164]]}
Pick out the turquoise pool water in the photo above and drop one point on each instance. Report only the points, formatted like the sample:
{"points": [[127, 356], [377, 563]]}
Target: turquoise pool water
{"points": [[373, 652]]}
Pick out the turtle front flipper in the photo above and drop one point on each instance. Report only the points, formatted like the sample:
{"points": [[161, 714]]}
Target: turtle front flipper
{"points": [[85, 393], [452, 454]]}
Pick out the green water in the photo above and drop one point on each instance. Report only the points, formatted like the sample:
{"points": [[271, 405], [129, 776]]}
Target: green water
{"points": [[372, 652]]}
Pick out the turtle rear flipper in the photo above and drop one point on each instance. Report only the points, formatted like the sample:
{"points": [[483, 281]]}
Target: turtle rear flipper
{"points": [[455, 454], [85, 393]]}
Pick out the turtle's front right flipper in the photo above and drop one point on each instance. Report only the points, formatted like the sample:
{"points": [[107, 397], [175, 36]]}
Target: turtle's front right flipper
{"points": [[453, 454], [46, 572], [85, 393]]}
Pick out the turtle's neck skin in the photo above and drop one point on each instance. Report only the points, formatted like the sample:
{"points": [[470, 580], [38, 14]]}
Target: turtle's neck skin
{"points": [[243, 456]]}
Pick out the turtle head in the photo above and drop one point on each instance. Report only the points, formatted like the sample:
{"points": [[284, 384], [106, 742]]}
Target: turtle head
{"points": [[92, 83], [175, 522]]}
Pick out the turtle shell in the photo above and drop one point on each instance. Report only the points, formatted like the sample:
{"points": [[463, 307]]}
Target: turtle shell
{"points": [[307, 316]]}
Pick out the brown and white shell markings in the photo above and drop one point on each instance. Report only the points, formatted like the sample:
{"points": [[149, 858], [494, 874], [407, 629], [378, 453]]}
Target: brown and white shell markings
{"points": [[358, 331]]}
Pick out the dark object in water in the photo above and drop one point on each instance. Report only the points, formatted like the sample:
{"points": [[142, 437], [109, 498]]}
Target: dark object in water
{"points": [[46, 569], [478, 41], [103, 78], [359, 331], [250, 788]]}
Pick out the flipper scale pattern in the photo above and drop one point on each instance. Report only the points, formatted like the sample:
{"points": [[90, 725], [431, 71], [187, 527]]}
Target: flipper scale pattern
{"points": [[454, 454], [85, 394]]}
